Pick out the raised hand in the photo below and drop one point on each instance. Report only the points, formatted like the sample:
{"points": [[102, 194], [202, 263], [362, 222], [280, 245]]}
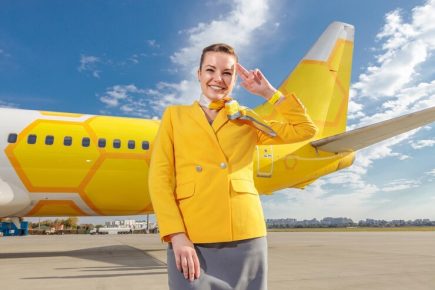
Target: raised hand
{"points": [[255, 82]]}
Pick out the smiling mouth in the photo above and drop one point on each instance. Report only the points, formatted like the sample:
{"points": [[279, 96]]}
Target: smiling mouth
{"points": [[217, 88]]}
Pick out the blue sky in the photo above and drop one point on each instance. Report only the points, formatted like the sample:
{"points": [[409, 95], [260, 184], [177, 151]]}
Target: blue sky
{"points": [[132, 58]]}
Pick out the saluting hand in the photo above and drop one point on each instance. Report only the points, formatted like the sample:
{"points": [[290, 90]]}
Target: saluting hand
{"points": [[186, 258], [255, 82]]}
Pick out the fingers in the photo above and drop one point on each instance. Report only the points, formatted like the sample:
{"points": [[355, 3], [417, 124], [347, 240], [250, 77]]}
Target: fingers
{"points": [[191, 274], [178, 262], [186, 259], [185, 267], [197, 267], [256, 76], [252, 81], [259, 74], [243, 72], [243, 84], [251, 77], [187, 262]]}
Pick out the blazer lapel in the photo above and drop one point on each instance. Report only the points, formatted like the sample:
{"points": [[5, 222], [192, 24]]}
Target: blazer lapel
{"points": [[220, 120], [199, 116]]}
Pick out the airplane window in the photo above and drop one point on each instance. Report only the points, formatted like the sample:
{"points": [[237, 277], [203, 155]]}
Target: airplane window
{"points": [[131, 144], [145, 145], [116, 143], [49, 140], [31, 139], [86, 141], [67, 141], [12, 138], [102, 142]]}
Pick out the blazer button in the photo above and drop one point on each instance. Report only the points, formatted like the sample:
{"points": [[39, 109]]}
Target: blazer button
{"points": [[223, 165], [198, 168]]}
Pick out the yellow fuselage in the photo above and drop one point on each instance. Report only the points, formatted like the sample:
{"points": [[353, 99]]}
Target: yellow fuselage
{"points": [[101, 179]]}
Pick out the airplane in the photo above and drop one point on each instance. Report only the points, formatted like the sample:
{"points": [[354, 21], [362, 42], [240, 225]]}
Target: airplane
{"points": [[68, 164]]}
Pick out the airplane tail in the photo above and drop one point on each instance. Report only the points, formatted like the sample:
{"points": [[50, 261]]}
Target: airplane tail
{"points": [[321, 80]]}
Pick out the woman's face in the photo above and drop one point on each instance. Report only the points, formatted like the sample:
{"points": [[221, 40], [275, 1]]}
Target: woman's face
{"points": [[217, 75]]}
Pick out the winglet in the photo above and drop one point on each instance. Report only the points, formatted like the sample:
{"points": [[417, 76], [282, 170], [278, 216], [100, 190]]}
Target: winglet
{"points": [[322, 49]]}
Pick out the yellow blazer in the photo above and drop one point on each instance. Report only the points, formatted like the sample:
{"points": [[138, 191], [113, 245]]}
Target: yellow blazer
{"points": [[201, 175]]}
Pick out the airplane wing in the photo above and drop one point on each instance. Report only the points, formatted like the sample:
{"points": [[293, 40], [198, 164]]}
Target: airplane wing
{"points": [[368, 135]]}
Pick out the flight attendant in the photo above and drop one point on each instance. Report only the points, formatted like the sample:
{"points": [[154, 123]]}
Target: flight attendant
{"points": [[201, 176]]}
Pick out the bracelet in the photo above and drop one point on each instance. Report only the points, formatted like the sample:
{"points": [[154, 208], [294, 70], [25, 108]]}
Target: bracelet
{"points": [[275, 97]]}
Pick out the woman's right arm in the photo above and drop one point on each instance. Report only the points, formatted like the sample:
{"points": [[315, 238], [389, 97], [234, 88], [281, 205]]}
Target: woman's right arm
{"points": [[161, 181]]}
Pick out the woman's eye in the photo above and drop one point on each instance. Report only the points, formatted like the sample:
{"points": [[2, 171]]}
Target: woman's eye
{"points": [[228, 73], [209, 69]]}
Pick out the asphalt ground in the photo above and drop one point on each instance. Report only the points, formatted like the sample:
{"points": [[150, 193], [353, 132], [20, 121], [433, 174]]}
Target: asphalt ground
{"points": [[297, 260]]}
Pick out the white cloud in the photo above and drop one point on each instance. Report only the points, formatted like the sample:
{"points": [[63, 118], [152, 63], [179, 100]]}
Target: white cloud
{"points": [[245, 17], [4, 104], [396, 81], [404, 157], [315, 202], [365, 157], [129, 100], [243, 20], [422, 143], [88, 63], [134, 58], [405, 47], [93, 65], [116, 93], [408, 100], [395, 70], [431, 173], [400, 184], [4, 53], [299, 204], [391, 88], [353, 178], [153, 43], [355, 110]]}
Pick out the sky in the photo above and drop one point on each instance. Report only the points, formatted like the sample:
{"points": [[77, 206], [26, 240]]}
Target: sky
{"points": [[134, 58]]}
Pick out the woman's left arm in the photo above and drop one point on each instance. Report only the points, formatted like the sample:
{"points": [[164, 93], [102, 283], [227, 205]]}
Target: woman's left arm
{"points": [[297, 125]]}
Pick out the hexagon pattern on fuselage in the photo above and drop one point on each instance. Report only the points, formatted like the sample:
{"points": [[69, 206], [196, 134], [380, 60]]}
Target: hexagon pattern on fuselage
{"points": [[110, 181]]}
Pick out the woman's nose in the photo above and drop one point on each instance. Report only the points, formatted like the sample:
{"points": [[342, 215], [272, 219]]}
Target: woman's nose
{"points": [[218, 77]]}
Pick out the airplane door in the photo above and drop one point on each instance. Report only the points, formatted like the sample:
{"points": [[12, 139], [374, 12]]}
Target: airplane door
{"points": [[264, 161]]}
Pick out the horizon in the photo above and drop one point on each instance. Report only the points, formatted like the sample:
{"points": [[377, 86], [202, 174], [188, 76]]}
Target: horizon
{"points": [[152, 219]]}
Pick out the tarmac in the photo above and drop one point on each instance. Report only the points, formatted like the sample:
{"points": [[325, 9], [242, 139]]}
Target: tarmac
{"points": [[297, 260]]}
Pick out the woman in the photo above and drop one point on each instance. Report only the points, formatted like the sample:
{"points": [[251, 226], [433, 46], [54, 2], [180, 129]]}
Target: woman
{"points": [[201, 177]]}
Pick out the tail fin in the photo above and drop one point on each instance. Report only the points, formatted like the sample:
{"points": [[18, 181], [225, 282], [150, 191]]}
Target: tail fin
{"points": [[321, 80]]}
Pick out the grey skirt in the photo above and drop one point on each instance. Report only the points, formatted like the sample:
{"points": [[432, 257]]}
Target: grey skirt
{"points": [[239, 265]]}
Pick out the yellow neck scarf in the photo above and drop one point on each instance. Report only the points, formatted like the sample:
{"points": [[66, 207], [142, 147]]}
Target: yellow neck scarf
{"points": [[235, 111]]}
